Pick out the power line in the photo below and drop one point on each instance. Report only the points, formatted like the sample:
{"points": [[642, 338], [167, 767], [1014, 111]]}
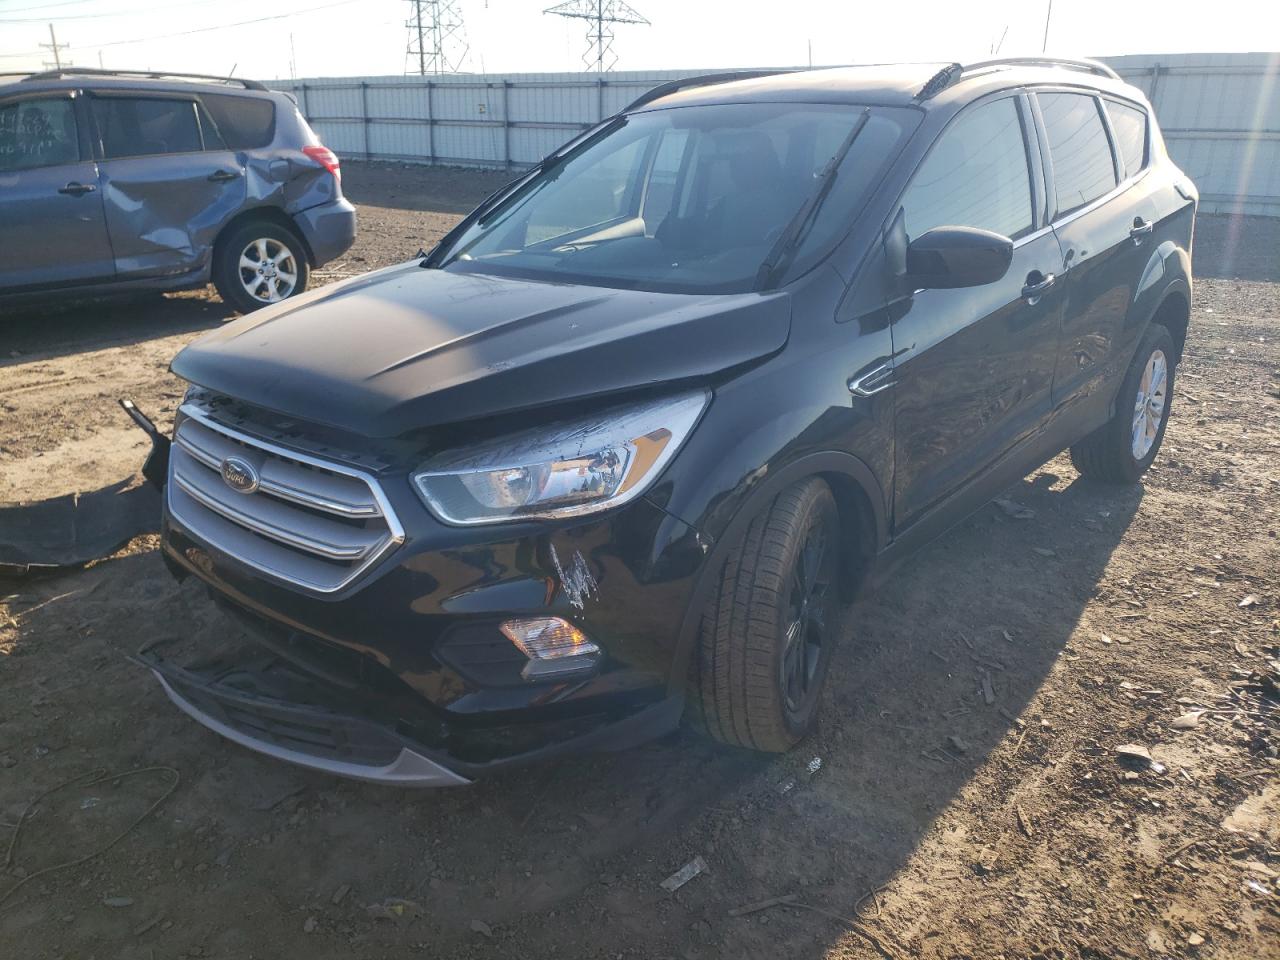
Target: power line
{"points": [[133, 11], [601, 14], [43, 6], [220, 26]]}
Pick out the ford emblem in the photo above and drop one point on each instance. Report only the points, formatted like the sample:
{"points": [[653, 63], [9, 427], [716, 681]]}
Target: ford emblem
{"points": [[239, 475]]}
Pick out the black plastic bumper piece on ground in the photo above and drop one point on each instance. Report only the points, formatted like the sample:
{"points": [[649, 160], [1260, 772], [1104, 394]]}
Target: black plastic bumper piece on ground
{"points": [[229, 700], [315, 728]]}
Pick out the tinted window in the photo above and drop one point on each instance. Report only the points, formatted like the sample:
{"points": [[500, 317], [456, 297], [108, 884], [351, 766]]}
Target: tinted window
{"points": [[1130, 127], [975, 176], [245, 123], [1082, 168], [138, 128], [38, 133]]}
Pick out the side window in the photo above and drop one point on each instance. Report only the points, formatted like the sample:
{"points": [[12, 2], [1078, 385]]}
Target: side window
{"points": [[38, 133], [1078, 147], [976, 175], [1130, 127], [660, 192], [145, 127], [246, 123]]}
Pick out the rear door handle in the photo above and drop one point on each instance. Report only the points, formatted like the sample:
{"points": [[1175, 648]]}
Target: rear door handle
{"points": [[1036, 288], [871, 382], [222, 176], [75, 189], [1140, 228]]}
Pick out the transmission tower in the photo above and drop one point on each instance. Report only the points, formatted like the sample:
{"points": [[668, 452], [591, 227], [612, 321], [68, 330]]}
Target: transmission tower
{"points": [[437, 42], [601, 15]]}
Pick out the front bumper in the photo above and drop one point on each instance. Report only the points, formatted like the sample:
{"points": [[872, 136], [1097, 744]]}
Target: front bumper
{"points": [[410, 656], [329, 229]]}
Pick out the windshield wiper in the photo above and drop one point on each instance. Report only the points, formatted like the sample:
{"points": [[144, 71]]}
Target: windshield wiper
{"points": [[785, 247]]}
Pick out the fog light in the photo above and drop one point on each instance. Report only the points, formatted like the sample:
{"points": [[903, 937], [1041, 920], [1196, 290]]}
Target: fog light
{"points": [[555, 647]]}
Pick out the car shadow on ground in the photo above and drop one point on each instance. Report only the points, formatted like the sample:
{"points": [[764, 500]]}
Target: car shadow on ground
{"points": [[52, 330], [934, 668]]}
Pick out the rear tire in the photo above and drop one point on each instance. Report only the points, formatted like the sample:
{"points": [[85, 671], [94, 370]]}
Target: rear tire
{"points": [[767, 633], [1123, 448], [259, 263]]}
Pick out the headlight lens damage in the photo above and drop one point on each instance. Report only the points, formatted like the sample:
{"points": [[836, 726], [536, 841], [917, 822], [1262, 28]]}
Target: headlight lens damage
{"points": [[562, 470]]}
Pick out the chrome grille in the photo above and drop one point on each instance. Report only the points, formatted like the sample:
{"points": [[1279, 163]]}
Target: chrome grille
{"points": [[312, 523]]}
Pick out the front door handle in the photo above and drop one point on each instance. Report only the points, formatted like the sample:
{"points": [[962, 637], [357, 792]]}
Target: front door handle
{"points": [[1140, 229], [75, 189], [222, 176], [1037, 284], [870, 382]]}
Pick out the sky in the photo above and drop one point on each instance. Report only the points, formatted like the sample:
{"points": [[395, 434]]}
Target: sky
{"points": [[320, 38]]}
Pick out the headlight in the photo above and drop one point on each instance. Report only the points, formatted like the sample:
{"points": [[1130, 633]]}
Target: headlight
{"points": [[563, 470]]}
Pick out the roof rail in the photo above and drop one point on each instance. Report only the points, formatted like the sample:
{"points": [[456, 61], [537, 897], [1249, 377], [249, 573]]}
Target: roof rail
{"points": [[141, 74], [953, 72], [705, 80], [1088, 66]]}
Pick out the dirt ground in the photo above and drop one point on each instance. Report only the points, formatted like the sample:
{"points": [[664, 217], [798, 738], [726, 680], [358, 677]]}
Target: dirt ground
{"points": [[969, 801]]}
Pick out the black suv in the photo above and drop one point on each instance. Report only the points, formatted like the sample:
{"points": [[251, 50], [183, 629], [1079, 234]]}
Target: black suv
{"points": [[619, 447]]}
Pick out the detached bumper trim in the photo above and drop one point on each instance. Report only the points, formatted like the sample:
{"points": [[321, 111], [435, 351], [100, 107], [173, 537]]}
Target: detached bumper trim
{"points": [[409, 769]]}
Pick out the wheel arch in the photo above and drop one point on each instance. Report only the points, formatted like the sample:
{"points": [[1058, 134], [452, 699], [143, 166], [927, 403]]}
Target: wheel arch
{"points": [[1174, 313], [268, 214], [863, 529]]}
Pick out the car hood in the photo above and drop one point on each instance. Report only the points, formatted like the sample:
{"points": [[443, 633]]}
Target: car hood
{"points": [[406, 348]]}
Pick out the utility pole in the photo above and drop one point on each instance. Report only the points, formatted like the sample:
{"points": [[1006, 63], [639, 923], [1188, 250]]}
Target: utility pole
{"points": [[1047, 14], [56, 47], [601, 14], [436, 39], [422, 48]]}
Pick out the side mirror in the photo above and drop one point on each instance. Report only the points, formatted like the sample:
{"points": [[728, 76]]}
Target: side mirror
{"points": [[949, 257]]}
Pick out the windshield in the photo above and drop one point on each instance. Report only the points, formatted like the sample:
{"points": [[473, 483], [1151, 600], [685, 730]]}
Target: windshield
{"points": [[689, 199]]}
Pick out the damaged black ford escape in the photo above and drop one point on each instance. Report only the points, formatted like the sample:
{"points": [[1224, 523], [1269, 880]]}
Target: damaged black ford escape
{"points": [[615, 451]]}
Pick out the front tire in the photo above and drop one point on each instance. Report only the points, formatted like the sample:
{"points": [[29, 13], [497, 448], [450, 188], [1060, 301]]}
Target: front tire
{"points": [[1123, 448], [259, 263], [767, 634]]}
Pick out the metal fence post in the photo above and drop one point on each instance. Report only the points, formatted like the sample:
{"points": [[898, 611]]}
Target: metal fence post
{"points": [[1156, 71], [506, 124], [305, 112], [431, 126], [364, 116], [599, 99]]}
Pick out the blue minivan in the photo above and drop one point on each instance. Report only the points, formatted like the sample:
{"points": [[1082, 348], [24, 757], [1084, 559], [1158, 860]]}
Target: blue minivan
{"points": [[114, 180]]}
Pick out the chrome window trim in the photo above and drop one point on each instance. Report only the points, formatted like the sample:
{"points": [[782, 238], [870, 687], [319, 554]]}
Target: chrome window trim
{"points": [[1092, 205], [396, 532]]}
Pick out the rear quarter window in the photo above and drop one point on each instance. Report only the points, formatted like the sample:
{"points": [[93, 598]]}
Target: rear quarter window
{"points": [[246, 123], [1130, 127]]}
